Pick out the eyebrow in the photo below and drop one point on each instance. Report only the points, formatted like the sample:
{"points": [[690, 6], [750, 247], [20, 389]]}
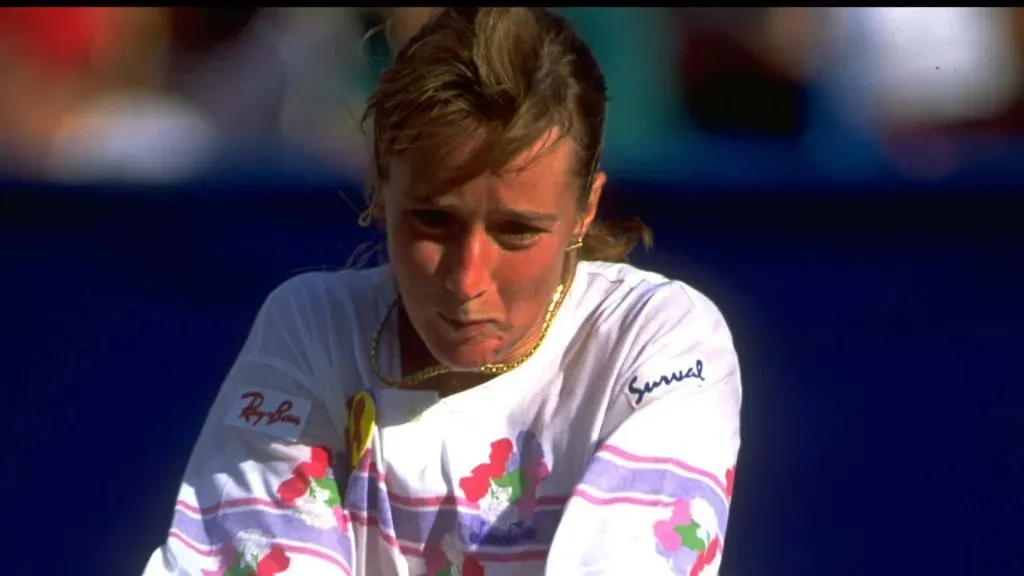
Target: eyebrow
{"points": [[508, 213], [428, 201], [530, 215]]}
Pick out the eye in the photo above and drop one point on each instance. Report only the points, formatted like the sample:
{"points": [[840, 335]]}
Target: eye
{"points": [[433, 220], [517, 234]]}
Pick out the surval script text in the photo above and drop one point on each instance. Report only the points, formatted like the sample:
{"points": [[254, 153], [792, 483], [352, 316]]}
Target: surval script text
{"points": [[639, 392]]}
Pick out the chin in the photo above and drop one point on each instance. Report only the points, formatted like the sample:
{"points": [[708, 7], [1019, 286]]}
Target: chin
{"points": [[467, 357]]}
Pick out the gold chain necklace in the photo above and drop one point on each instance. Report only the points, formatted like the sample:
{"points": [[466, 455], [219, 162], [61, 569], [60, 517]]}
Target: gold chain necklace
{"points": [[491, 369]]}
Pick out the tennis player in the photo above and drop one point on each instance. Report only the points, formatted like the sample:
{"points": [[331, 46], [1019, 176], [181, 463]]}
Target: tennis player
{"points": [[507, 396]]}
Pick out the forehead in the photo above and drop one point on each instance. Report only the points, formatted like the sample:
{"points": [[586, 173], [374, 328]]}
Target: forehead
{"points": [[541, 175]]}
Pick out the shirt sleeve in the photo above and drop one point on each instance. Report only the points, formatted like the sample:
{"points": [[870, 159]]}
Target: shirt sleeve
{"points": [[259, 494], [654, 497]]}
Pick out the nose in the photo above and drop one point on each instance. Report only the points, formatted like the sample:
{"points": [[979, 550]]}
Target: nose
{"points": [[469, 260]]}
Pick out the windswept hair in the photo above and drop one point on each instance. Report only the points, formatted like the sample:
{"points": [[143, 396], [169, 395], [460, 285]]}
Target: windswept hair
{"points": [[497, 79]]}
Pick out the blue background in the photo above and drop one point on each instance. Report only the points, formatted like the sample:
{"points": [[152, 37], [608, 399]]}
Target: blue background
{"points": [[878, 321]]}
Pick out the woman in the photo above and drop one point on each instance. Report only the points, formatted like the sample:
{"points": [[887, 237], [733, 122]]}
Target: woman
{"points": [[504, 398]]}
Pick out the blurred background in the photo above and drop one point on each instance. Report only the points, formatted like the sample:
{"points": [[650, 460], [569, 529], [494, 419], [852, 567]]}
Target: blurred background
{"points": [[165, 95], [844, 182]]}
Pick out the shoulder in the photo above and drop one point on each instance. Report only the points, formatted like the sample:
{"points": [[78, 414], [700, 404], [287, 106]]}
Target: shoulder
{"points": [[651, 304], [329, 287], [670, 336], [327, 296], [310, 336], [317, 315]]}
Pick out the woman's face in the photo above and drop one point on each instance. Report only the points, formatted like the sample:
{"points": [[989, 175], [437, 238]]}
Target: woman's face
{"points": [[477, 265]]}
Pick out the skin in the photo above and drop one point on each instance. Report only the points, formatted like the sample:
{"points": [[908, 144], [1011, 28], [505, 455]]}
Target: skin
{"points": [[477, 265]]}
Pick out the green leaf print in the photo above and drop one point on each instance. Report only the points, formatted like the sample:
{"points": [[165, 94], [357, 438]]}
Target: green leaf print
{"points": [[690, 538], [514, 482], [333, 496], [240, 568], [446, 572]]}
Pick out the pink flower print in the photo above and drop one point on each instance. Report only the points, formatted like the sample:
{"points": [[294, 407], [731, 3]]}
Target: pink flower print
{"points": [[528, 448], [681, 513], [668, 538], [451, 561], [478, 483], [665, 530], [320, 461], [472, 567], [533, 469], [294, 487], [297, 485], [705, 558], [537, 471], [534, 472], [273, 563], [685, 540], [228, 556], [435, 558], [526, 504], [341, 517], [730, 481]]}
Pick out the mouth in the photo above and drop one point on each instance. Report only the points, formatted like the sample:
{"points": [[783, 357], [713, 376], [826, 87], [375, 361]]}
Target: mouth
{"points": [[465, 326]]}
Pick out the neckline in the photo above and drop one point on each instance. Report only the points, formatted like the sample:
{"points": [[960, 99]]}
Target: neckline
{"points": [[390, 358]]}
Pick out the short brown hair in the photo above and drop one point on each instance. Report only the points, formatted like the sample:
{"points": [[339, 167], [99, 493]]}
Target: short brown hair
{"points": [[502, 77]]}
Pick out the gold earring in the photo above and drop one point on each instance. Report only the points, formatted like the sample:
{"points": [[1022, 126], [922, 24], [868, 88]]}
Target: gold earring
{"points": [[577, 243], [366, 218], [372, 211]]}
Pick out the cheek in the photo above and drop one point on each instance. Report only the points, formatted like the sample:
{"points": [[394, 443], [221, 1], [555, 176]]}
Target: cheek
{"points": [[414, 257], [528, 278]]}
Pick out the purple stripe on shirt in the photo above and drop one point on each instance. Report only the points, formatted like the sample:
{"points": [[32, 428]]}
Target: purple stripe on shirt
{"points": [[419, 526], [613, 478], [221, 529]]}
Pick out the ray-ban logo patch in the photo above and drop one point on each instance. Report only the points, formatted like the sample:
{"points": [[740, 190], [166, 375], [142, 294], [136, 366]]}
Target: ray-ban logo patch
{"points": [[269, 412]]}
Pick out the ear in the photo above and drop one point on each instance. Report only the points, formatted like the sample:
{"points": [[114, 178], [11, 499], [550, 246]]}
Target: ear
{"points": [[379, 205], [590, 211]]}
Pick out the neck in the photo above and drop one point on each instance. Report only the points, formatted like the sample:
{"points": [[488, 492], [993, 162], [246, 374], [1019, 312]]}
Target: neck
{"points": [[415, 355]]}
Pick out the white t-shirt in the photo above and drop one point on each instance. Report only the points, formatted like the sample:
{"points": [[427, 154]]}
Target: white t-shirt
{"points": [[610, 451]]}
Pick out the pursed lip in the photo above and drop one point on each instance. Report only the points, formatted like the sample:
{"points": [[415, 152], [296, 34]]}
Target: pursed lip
{"points": [[459, 323], [465, 325]]}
